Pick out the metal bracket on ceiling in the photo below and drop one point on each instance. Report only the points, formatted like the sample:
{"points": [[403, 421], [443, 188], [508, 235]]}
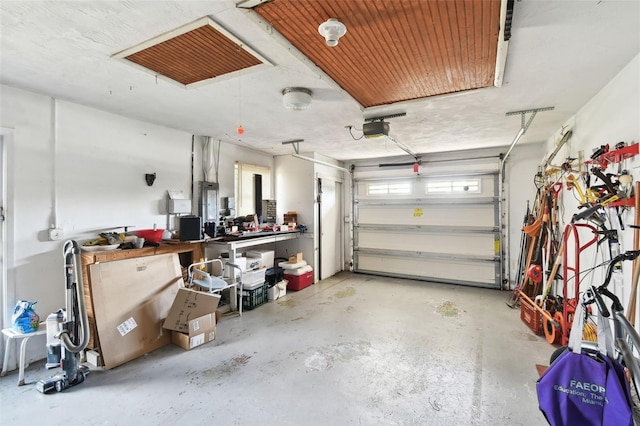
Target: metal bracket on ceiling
{"points": [[524, 125], [400, 114], [523, 114], [295, 143]]}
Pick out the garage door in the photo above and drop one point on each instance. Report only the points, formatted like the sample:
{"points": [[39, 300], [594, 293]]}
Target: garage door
{"points": [[441, 228]]}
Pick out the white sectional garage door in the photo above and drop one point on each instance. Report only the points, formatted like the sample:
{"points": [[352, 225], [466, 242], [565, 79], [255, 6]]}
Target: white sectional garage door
{"points": [[441, 228]]}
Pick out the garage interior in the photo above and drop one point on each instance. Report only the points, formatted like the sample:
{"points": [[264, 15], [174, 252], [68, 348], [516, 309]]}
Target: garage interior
{"points": [[392, 147]]}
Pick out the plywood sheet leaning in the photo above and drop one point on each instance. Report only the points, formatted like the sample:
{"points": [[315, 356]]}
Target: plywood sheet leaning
{"points": [[131, 299]]}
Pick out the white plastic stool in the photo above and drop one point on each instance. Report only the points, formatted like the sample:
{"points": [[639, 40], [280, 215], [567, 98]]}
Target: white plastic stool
{"points": [[14, 335]]}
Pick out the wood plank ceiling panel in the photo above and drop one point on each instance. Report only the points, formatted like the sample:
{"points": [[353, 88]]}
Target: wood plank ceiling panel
{"points": [[194, 56], [395, 50]]}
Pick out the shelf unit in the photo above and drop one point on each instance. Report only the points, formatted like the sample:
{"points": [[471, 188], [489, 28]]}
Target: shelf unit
{"points": [[615, 156]]}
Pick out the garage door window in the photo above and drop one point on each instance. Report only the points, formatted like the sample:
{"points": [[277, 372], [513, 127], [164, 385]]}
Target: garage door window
{"points": [[462, 186], [395, 188]]}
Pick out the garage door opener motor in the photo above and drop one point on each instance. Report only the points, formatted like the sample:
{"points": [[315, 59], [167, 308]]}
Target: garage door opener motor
{"points": [[68, 329]]}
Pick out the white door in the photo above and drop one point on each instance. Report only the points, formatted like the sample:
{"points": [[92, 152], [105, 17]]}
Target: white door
{"points": [[442, 228], [3, 264], [330, 195]]}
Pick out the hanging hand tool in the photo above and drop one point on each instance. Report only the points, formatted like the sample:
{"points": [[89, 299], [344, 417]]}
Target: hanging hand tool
{"points": [[613, 191], [599, 151], [524, 242], [534, 272]]}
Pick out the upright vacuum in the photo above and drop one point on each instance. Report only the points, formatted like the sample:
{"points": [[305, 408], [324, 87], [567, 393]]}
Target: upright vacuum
{"points": [[68, 329]]}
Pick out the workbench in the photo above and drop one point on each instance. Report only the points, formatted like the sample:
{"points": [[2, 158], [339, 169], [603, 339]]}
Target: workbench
{"points": [[232, 244]]}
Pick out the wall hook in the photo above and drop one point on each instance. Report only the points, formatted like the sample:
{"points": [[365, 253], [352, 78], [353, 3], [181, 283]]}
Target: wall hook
{"points": [[150, 178]]}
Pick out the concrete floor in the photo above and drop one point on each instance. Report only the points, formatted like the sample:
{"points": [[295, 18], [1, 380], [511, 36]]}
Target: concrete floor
{"points": [[352, 349]]}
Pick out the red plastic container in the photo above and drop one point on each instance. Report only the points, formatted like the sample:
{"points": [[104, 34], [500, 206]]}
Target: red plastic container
{"points": [[151, 235], [298, 282]]}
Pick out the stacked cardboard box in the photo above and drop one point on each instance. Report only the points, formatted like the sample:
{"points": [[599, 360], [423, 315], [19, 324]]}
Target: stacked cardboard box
{"points": [[192, 318]]}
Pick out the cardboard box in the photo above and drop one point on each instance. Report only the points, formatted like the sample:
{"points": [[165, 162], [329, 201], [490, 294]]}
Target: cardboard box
{"points": [[290, 217], [201, 331], [190, 305], [131, 299], [295, 258]]}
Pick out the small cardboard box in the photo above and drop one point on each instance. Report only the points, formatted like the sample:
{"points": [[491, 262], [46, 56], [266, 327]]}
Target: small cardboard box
{"points": [[290, 217], [295, 258], [201, 331], [190, 305]]}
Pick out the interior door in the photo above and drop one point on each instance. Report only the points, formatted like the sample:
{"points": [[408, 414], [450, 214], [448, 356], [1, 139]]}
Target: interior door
{"points": [[3, 272], [330, 227], [2, 242]]}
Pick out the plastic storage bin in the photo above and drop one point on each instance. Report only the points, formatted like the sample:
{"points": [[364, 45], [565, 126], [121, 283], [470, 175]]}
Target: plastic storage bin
{"points": [[251, 299], [266, 257], [252, 277]]}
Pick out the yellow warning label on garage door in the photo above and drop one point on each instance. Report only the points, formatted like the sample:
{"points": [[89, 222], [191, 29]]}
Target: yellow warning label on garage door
{"points": [[417, 212]]}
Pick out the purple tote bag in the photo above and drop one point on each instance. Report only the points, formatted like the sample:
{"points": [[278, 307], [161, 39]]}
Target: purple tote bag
{"points": [[585, 388]]}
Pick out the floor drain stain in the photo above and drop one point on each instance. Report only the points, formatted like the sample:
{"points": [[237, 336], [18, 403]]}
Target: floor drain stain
{"points": [[448, 309], [347, 292]]}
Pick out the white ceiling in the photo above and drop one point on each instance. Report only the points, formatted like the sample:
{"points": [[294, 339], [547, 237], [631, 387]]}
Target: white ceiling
{"points": [[560, 54]]}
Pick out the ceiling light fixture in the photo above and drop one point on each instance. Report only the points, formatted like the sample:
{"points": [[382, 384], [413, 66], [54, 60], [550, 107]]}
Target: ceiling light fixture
{"points": [[332, 30], [296, 98]]}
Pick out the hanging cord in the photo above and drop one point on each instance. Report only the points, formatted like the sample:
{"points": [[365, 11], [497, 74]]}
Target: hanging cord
{"points": [[351, 133], [216, 158], [206, 158], [240, 128]]}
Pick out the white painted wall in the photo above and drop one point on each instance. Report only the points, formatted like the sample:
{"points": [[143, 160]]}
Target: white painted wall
{"points": [[521, 167], [301, 198], [83, 169], [298, 197], [611, 116]]}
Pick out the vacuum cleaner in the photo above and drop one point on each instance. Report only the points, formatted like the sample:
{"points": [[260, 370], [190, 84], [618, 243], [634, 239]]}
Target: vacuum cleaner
{"points": [[68, 329]]}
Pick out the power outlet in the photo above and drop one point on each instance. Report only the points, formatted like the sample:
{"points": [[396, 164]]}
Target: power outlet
{"points": [[55, 234]]}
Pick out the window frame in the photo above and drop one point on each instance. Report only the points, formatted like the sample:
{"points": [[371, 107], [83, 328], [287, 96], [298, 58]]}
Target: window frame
{"points": [[453, 183]]}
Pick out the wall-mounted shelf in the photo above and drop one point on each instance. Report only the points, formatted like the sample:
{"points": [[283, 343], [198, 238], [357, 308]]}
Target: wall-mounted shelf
{"points": [[627, 202], [615, 156]]}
